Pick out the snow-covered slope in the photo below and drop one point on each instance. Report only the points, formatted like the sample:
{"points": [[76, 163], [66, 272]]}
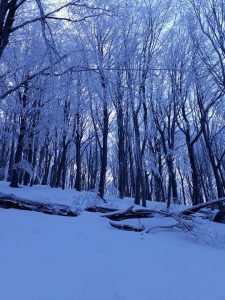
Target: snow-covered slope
{"points": [[46, 257]]}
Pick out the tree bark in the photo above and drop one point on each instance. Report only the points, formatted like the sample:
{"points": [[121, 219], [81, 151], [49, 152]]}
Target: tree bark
{"points": [[104, 151]]}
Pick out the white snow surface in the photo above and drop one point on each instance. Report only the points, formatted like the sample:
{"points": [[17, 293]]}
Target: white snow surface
{"points": [[45, 257]]}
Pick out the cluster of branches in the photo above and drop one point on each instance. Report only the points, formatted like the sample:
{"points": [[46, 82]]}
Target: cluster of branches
{"points": [[129, 99]]}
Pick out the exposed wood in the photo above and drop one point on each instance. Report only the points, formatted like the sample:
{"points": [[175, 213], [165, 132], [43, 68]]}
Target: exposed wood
{"points": [[196, 208], [133, 213], [100, 209], [126, 227], [119, 212], [180, 217], [183, 219], [220, 217], [129, 213], [12, 201]]}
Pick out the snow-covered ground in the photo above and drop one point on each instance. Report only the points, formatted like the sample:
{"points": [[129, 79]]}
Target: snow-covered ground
{"points": [[45, 257]]}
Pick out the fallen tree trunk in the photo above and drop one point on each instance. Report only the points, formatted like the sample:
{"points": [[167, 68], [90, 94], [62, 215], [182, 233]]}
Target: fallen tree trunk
{"points": [[12, 201], [126, 227], [180, 216], [219, 217], [129, 213], [101, 209], [196, 208], [182, 222]]}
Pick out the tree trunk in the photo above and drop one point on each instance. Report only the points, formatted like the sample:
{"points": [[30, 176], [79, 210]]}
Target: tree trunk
{"points": [[104, 152], [7, 15], [18, 155], [27, 175], [77, 185]]}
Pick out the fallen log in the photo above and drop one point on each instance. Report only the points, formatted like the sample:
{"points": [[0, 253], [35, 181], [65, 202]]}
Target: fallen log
{"points": [[184, 219], [196, 208], [219, 217], [186, 225], [137, 213], [12, 201], [128, 213], [126, 227], [101, 209]]}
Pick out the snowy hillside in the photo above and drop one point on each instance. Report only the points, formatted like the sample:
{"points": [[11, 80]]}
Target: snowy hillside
{"points": [[53, 257], [112, 150]]}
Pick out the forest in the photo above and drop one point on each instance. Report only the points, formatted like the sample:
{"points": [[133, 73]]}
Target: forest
{"points": [[112, 149], [120, 97]]}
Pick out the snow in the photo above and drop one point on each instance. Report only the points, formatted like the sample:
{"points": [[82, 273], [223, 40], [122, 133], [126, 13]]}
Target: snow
{"points": [[47, 257], [56, 195]]}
